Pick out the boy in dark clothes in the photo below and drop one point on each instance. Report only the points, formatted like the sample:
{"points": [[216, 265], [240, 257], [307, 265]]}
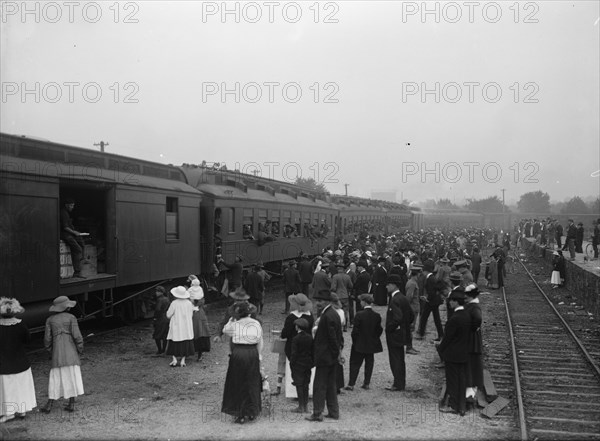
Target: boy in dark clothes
{"points": [[301, 363]]}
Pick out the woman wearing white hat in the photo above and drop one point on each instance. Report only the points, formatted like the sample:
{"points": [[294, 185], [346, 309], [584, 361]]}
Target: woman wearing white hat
{"points": [[64, 340], [17, 391], [180, 340], [199, 320]]}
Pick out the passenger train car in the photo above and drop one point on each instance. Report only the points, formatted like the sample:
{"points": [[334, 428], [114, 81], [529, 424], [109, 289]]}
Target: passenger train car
{"points": [[151, 224]]}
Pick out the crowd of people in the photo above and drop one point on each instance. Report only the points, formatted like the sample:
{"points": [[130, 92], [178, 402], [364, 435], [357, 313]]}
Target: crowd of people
{"points": [[411, 274], [549, 232]]}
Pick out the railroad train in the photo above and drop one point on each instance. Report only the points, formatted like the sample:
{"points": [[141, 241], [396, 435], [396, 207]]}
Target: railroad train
{"points": [[152, 223]]}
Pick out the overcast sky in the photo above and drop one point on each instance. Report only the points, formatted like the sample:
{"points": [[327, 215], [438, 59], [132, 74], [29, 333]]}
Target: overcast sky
{"points": [[459, 102]]}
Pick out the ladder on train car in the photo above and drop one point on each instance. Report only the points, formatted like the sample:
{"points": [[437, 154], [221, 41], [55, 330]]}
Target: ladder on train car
{"points": [[108, 303]]}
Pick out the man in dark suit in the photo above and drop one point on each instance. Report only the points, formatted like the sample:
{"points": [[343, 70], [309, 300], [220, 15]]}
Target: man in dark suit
{"points": [[361, 286], [397, 327], [255, 287], [291, 283], [327, 346], [306, 274], [475, 360], [475, 264], [321, 280], [365, 341], [454, 350], [379, 283]]}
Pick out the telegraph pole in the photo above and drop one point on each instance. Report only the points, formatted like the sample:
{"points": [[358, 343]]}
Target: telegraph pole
{"points": [[346, 185], [102, 144], [503, 209]]}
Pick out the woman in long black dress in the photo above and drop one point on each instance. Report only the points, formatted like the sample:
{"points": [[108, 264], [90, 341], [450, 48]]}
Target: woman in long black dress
{"points": [[243, 383]]}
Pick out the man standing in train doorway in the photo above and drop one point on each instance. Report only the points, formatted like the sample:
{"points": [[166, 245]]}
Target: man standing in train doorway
{"points": [[71, 237]]}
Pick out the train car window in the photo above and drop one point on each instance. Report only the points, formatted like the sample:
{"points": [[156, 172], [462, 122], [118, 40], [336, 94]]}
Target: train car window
{"points": [[248, 224], [275, 222], [217, 229], [296, 223], [232, 220], [306, 227], [172, 219]]}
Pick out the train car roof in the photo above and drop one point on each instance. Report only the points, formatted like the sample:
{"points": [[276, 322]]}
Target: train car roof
{"points": [[28, 156]]}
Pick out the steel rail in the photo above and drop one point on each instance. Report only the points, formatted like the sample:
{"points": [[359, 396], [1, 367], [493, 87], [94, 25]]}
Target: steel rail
{"points": [[565, 324], [522, 421]]}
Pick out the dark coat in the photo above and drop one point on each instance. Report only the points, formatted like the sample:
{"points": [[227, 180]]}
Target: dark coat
{"points": [[361, 286], [400, 271], [476, 263], [321, 281], [572, 232], [328, 340], [378, 288], [255, 286], [397, 320], [305, 268], [366, 332], [289, 330], [13, 340], [433, 288], [475, 341], [454, 347], [301, 351], [292, 281]]}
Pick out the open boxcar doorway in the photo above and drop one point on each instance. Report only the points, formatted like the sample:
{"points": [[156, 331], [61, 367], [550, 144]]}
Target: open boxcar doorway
{"points": [[94, 213]]}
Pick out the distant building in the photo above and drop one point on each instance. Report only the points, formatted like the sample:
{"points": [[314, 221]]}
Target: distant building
{"points": [[389, 196]]}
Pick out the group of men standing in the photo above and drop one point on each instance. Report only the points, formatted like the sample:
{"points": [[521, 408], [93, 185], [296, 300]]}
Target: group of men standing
{"points": [[409, 289]]}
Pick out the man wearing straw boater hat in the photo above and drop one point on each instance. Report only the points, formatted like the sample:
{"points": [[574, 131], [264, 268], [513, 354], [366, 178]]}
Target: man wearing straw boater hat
{"points": [[328, 343]]}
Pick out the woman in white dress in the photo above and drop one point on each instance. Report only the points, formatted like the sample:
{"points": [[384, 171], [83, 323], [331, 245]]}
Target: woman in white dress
{"points": [[180, 340], [64, 341], [17, 392]]}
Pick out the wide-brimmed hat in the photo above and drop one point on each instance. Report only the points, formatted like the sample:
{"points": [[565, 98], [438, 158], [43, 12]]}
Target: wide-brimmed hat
{"points": [[445, 260], [299, 302], [455, 275], [457, 294], [362, 263], [460, 263], [323, 294], [472, 290], [196, 291], [61, 303], [10, 306], [180, 292], [239, 294], [395, 279]]}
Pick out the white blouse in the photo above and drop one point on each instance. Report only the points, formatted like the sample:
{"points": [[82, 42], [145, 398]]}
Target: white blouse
{"points": [[245, 331]]}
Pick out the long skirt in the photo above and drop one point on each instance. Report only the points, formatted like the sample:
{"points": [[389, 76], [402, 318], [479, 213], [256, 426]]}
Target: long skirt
{"points": [[290, 389], [555, 279], [17, 393], [243, 383], [183, 348], [65, 382]]}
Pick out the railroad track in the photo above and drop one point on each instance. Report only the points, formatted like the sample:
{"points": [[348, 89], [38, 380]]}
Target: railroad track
{"points": [[551, 373]]}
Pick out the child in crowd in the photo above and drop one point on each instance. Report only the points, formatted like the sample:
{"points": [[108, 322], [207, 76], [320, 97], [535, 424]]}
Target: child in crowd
{"points": [[301, 362], [64, 341]]}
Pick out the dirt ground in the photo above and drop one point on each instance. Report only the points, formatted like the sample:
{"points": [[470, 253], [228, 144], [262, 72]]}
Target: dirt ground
{"points": [[132, 394]]}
